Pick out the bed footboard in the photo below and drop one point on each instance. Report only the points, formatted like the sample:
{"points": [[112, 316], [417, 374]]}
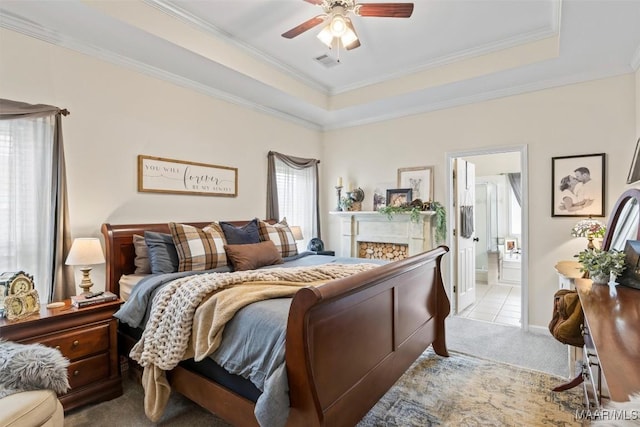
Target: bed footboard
{"points": [[349, 340]]}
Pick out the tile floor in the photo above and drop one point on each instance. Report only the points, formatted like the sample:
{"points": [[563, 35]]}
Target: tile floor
{"points": [[495, 303]]}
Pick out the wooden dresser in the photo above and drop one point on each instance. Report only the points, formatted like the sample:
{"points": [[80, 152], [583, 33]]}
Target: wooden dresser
{"points": [[85, 336], [612, 341]]}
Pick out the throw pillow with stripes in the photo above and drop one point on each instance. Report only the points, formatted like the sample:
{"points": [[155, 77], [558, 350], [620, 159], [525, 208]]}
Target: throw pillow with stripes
{"points": [[280, 234], [199, 250]]}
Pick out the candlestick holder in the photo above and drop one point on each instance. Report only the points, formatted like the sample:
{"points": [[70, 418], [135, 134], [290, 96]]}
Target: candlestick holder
{"points": [[338, 191]]}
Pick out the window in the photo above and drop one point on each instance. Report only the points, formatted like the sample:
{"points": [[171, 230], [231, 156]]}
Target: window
{"points": [[295, 198], [26, 226], [292, 193]]}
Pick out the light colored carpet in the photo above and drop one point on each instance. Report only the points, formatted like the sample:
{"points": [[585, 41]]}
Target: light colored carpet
{"points": [[508, 344], [460, 390]]}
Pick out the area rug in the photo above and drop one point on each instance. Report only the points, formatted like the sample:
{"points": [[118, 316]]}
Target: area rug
{"points": [[460, 390]]}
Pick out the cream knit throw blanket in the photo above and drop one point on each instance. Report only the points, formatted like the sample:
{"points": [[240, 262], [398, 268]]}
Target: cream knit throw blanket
{"points": [[188, 316]]}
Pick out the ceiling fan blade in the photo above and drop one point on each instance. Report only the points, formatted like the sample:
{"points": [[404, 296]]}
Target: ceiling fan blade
{"points": [[388, 10], [318, 2], [306, 25]]}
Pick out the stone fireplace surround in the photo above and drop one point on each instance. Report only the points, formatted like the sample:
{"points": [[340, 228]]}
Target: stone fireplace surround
{"points": [[362, 227]]}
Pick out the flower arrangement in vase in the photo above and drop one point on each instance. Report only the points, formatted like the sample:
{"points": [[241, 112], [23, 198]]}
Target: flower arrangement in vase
{"points": [[602, 266]]}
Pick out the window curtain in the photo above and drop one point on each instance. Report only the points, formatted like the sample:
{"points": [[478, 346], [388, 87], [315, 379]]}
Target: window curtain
{"points": [[34, 230], [514, 180], [293, 192]]}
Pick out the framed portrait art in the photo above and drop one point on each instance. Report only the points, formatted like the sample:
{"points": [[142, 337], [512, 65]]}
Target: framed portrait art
{"points": [[419, 180], [399, 196], [578, 185]]}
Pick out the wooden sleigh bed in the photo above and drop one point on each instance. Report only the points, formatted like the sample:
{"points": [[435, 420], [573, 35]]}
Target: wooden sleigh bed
{"points": [[347, 341]]}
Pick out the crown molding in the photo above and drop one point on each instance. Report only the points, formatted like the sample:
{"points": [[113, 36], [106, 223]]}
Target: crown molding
{"points": [[475, 99], [28, 28], [179, 13]]}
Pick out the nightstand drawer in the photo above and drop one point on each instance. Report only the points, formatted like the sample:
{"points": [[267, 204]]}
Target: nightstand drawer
{"points": [[88, 370], [77, 343]]}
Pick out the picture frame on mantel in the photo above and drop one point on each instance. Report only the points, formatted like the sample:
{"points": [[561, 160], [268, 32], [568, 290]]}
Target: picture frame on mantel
{"points": [[399, 196], [578, 185], [419, 179], [169, 176]]}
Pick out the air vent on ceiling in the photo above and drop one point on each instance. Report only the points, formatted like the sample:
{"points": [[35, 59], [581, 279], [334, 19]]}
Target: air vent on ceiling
{"points": [[327, 61]]}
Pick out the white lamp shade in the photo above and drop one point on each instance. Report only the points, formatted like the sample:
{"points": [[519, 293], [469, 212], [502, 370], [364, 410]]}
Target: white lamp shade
{"points": [[325, 36], [85, 251], [349, 37], [297, 232]]}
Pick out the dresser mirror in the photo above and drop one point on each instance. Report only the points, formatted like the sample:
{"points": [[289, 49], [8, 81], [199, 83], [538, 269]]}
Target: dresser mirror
{"points": [[624, 223]]}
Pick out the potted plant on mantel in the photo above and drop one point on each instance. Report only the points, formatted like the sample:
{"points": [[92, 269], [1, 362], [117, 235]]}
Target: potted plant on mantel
{"points": [[602, 266], [414, 209]]}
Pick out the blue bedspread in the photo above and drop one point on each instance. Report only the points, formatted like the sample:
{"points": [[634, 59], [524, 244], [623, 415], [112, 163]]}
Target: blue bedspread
{"points": [[253, 343]]}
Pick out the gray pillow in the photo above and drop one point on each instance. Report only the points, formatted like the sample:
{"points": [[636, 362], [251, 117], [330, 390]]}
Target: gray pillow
{"points": [[248, 233], [141, 260], [163, 256]]}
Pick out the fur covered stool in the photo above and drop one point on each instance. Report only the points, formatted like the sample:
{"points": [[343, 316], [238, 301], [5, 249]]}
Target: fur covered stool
{"points": [[30, 377]]}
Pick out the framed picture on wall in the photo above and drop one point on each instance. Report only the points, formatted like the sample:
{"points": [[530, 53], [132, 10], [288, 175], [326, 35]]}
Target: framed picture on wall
{"points": [[419, 180], [578, 185]]}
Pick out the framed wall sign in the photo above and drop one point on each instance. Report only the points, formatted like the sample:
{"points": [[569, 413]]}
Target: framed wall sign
{"points": [[158, 175], [419, 180], [578, 185]]}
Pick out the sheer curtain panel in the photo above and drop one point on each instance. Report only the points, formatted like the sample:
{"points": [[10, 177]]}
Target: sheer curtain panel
{"points": [[34, 234], [292, 192]]}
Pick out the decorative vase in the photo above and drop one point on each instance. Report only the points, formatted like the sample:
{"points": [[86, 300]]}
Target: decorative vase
{"points": [[599, 278]]}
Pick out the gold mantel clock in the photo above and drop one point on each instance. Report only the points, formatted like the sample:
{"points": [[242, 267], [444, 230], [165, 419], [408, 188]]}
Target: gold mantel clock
{"points": [[18, 297]]}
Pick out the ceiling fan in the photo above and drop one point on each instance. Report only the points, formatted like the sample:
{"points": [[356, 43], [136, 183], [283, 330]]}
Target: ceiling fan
{"points": [[338, 24]]}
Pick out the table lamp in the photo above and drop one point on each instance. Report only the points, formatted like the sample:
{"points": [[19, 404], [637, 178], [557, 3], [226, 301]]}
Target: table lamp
{"points": [[296, 230], [589, 228], [85, 251]]}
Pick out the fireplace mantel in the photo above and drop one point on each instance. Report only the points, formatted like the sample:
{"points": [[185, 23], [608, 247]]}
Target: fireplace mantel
{"points": [[371, 226]]}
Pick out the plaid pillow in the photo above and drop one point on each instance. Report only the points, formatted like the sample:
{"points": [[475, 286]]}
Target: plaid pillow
{"points": [[199, 250], [280, 234]]}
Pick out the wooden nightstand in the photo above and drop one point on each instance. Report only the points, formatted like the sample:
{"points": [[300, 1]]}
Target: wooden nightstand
{"points": [[87, 337]]}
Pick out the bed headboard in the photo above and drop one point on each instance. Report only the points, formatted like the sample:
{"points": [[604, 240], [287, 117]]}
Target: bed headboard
{"points": [[120, 252]]}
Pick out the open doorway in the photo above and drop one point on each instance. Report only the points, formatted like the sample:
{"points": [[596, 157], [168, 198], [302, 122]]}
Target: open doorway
{"points": [[499, 239]]}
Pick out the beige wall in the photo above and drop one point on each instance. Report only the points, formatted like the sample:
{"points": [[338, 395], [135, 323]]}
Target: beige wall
{"points": [[117, 114], [592, 117]]}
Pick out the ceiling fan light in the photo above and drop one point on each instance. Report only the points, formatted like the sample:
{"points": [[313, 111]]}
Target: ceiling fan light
{"points": [[325, 36], [349, 37], [338, 25]]}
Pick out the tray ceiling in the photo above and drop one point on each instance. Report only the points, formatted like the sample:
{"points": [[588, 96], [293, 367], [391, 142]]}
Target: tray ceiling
{"points": [[448, 53]]}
